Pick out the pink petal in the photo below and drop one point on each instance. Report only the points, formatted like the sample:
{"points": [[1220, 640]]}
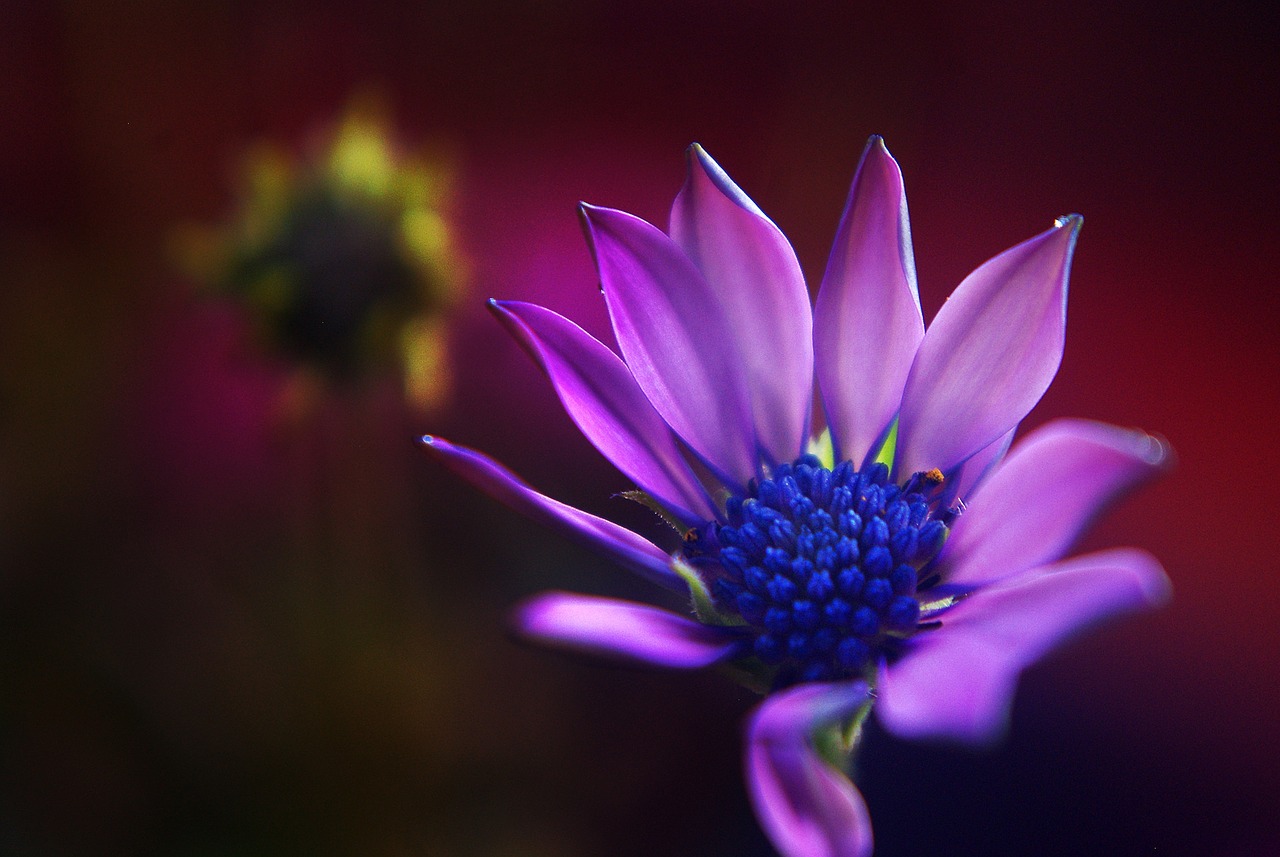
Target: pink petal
{"points": [[677, 340], [867, 322], [635, 552], [958, 682], [808, 808], [753, 273], [1035, 504], [990, 353], [623, 629], [603, 399]]}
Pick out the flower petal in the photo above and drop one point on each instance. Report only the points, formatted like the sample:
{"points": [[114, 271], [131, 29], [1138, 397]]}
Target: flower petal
{"points": [[754, 274], [603, 399], [676, 338], [990, 353], [623, 629], [867, 321], [980, 465], [1035, 504], [629, 549], [957, 682], [808, 808]]}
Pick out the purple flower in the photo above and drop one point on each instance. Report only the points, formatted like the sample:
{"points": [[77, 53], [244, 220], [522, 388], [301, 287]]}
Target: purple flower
{"points": [[898, 561]]}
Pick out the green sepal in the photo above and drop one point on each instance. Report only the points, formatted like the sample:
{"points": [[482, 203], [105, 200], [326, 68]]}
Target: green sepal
{"points": [[703, 606], [823, 447], [638, 496], [889, 449], [851, 732], [838, 743]]}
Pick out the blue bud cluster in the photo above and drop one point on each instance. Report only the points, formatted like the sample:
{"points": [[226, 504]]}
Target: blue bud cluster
{"points": [[823, 565]]}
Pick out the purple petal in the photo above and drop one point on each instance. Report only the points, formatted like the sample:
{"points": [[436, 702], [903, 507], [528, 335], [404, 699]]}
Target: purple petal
{"points": [[753, 273], [635, 552], [990, 353], [623, 629], [979, 466], [958, 682], [677, 340], [808, 808], [603, 399], [867, 322], [1035, 504]]}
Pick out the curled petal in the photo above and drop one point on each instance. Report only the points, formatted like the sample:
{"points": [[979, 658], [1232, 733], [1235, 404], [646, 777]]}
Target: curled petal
{"points": [[990, 353], [633, 551], [867, 322], [623, 629], [958, 682], [605, 402], [754, 274], [677, 339], [808, 807], [1043, 495]]}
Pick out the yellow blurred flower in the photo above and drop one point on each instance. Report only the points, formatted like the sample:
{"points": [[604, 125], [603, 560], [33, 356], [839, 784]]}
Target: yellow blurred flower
{"points": [[344, 258]]}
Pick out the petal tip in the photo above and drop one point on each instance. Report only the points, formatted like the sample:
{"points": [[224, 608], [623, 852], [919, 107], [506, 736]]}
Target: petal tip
{"points": [[1070, 221], [498, 308], [1154, 586], [501, 309], [1157, 451], [428, 440], [589, 214]]}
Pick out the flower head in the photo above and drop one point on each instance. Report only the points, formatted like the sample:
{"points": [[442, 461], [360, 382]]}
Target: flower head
{"points": [[344, 259], [900, 561]]}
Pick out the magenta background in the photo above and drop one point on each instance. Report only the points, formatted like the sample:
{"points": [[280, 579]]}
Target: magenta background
{"points": [[157, 534]]}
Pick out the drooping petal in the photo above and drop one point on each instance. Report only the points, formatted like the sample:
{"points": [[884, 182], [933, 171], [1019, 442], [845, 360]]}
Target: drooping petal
{"points": [[754, 274], [1049, 488], [627, 548], [867, 321], [958, 682], [808, 808], [623, 629], [990, 353], [676, 338], [603, 399]]}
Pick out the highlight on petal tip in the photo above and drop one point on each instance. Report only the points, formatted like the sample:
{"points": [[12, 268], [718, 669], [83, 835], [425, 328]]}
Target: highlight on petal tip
{"points": [[697, 159], [990, 353], [622, 629]]}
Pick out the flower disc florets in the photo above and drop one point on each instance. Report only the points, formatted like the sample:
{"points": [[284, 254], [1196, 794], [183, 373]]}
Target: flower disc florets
{"points": [[823, 565]]}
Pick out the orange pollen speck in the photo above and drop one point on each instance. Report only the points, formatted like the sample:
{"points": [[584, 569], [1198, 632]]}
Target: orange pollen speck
{"points": [[934, 476]]}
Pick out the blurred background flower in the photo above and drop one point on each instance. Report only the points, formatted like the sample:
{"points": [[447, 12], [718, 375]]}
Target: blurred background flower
{"points": [[342, 257], [224, 633]]}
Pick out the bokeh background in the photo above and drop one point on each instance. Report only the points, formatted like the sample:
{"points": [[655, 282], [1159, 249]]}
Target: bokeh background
{"points": [[241, 615]]}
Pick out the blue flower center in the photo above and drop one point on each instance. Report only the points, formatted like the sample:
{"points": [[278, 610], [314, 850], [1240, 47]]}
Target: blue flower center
{"points": [[824, 566]]}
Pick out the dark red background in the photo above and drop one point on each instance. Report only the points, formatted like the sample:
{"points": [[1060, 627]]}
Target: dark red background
{"points": [[218, 637]]}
